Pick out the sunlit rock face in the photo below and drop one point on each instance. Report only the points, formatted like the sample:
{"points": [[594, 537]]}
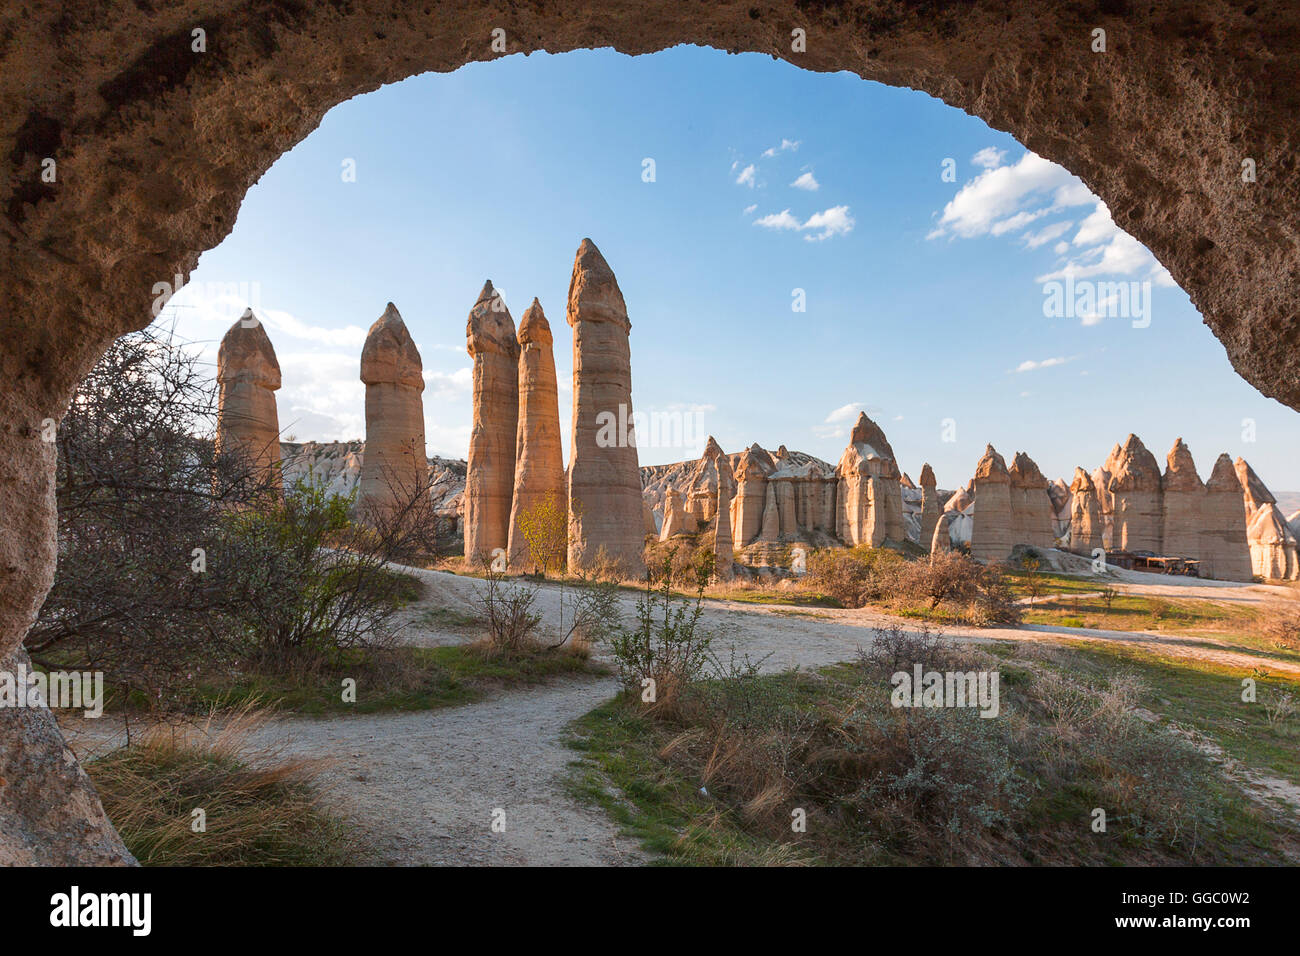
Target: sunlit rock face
{"points": [[991, 537], [930, 506], [1224, 553], [711, 471], [539, 460], [1087, 528], [869, 505], [1183, 521], [1254, 492], [394, 468], [604, 477], [1272, 545], [248, 376], [1137, 507], [1270, 540], [491, 341], [1032, 512]]}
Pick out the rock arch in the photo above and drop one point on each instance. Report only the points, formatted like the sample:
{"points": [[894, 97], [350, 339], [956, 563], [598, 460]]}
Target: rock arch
{"points": [[155, 144]]}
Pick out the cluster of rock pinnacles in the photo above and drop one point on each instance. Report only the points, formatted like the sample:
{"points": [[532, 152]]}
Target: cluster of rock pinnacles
{"points": [[515, 460], [754, 501]]}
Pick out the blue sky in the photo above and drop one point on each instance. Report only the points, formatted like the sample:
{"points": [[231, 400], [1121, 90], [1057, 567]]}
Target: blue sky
{"points": [[923, 298]]}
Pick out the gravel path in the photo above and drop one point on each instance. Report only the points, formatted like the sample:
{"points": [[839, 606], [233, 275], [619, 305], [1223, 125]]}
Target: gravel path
{"points": [[423, 787]]}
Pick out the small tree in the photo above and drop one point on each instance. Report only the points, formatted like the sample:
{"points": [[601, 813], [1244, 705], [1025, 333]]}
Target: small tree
{"points": [[666, 649], [545, 527]]}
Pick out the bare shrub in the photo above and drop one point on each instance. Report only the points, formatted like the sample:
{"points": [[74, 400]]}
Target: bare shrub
{"points": [[178, 560], [1279, 622], [589, 610], [946, 576], [507, 612], [667, 649], [854, 576]]}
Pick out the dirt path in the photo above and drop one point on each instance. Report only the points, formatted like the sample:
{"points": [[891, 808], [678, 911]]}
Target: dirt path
{"points": [[423, 786]]}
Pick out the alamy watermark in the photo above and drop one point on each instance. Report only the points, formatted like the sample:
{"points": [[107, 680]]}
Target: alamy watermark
{"points": [[679, 428], [63, 690], [1093, 301], [923, 688]]}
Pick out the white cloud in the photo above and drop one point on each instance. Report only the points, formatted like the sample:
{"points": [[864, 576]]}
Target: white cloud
{"points": [[778, 220], [1033, 240], [989, 157], [845, 413], [996, 194], [1029, 365], [808, 182], [787, 145], [449, 384], [749, 209], [1006, 200], [746, 177], [835, 221]]}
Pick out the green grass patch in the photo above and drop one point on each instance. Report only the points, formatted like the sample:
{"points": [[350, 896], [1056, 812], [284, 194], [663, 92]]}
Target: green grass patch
{"points": [[1207, 697], [398, 679], [715, 780], [257, 810]]}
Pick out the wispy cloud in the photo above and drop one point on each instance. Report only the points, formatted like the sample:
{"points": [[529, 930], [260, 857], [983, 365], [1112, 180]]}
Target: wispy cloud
{"points": [[747, 176], [1029, 365], [787, 145], [749, 209], [845, 413], [778, 220], [990, 157], [836, 221], [1007, 200], [807, 181]]}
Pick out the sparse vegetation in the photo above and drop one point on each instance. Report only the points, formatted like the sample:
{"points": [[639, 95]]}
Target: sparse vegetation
{"points": [[948, 586], [258, 808], [719, 778]]}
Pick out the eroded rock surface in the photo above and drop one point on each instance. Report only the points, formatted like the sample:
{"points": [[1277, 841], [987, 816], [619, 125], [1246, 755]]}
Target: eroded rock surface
{"points": [[394, 468], [539, 460], [248, 377], [492, 342], [604, 477]]}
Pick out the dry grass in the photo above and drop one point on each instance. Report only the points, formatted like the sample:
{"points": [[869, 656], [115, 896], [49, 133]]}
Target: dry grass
{"points": [[1279, 622], [260, 808], [719, 777]]}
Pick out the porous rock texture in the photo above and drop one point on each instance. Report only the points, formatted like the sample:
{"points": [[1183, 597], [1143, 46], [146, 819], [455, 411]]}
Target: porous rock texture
{"points": [[155, 145], [1031, 506], [1086, 524], [539, 460], [1272, 545], [752, 469], [1225, 552], [929, 506], [677, 519], [1135, 491], [248, 376], [394, 467], [1253, 490], [604, 478], [711, 472], [991, 537], [491, 341], [1184, 504], [869, 506]]}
